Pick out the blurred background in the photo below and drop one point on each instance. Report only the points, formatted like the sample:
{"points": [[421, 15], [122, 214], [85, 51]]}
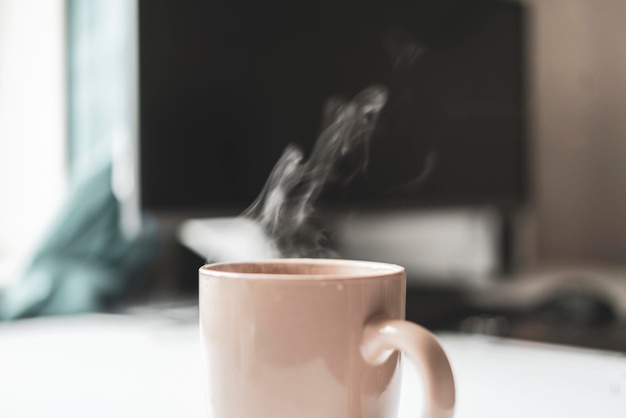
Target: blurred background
{"points": [[133, 133]]}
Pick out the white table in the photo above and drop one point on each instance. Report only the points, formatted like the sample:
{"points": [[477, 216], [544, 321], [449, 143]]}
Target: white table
{"points": [[127, 366]]}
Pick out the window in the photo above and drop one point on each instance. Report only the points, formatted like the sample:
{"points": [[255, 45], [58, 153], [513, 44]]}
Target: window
{"points": [[32, 125]]}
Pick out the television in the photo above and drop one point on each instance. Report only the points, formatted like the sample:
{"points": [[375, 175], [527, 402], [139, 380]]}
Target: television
{"points": [[225, 86]]}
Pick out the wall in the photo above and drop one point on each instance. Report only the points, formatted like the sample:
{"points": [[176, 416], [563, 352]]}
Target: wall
{"points": [[578, 104]]}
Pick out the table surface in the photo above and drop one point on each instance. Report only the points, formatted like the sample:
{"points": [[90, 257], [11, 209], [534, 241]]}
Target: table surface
{"points": [[139, 366]]}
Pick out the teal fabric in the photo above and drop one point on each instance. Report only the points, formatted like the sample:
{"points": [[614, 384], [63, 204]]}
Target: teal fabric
{"points": [[101, 86], [86, 263]]}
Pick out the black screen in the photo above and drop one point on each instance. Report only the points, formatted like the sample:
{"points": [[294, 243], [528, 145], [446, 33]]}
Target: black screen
{"points": [[225, 85]]}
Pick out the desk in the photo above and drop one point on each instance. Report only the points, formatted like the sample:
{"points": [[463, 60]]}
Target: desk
{"points": [[138, 366]]}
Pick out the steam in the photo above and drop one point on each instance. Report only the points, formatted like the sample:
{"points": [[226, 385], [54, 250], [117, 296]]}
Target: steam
{"points": [[281, 222], [285, 206]]}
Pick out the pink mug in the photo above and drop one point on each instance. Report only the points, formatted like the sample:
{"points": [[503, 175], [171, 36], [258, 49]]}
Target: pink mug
{"points": [[313, 338]]}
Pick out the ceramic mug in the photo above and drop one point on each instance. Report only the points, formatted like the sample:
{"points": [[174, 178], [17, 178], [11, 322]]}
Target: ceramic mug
{"points": [[313, 338]]}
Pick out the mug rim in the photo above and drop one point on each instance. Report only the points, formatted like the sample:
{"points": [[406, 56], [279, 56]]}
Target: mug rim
{"points": [[367, 270]]}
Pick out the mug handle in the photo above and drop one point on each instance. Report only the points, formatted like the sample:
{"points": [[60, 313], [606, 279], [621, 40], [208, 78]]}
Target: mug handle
{"points": [[381, 337]]}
